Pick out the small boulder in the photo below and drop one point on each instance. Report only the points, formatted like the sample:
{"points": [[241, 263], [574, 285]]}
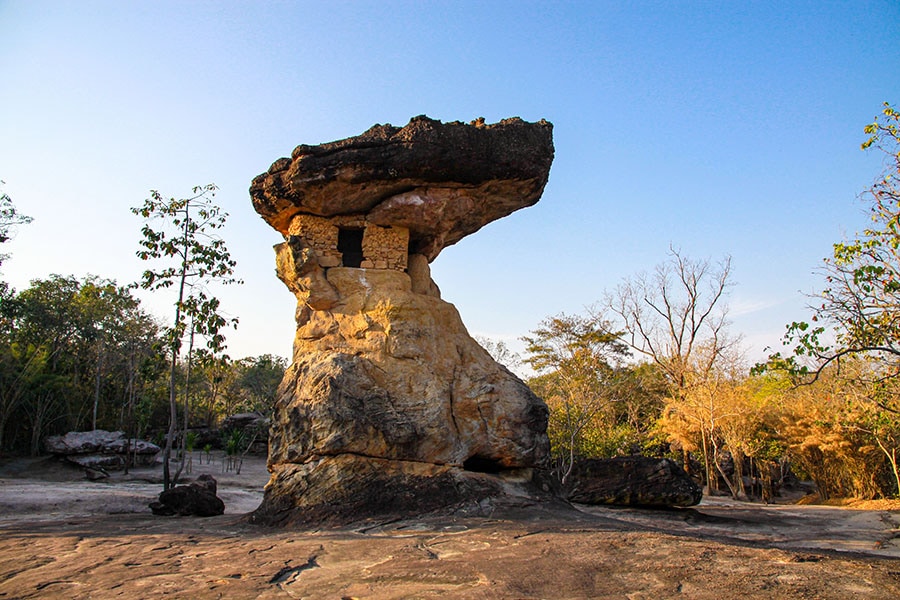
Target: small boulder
{"points": [[632, 481], [196, 499], [96, 473]]}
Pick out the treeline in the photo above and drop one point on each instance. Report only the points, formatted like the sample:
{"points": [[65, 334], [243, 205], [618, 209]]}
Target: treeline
{"points": [[734, 431], [80, 354], [652, 369]]}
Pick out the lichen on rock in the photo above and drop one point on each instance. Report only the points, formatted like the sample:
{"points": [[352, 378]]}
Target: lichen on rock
{"points": [[389, 404]]}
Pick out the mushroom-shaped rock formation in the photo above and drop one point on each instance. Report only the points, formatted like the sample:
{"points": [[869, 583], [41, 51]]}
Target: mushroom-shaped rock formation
{"points": [[390, 407]]}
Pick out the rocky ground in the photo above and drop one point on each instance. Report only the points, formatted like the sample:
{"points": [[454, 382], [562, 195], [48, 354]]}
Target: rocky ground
{"points": [[64, 536]]}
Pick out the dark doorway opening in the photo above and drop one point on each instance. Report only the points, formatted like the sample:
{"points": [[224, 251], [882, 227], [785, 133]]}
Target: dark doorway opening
{"points": [[480, 464], [350, 247]]}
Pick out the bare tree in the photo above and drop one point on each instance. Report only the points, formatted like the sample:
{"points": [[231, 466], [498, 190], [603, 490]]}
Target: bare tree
{"points": [[676, 317]]}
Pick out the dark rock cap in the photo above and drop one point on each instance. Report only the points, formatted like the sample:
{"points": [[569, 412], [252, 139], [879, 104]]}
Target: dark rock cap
{"points": [[491, 170]]}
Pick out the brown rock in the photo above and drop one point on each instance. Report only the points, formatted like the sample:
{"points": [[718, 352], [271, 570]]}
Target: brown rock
{"points": [[196, 499], [420, 276], [442, 181], [397, 376], [389, 404]]}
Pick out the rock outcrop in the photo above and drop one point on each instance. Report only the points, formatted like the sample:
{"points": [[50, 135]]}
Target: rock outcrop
{"points": [[632, 481], [390, 406], [197, 499], [441, 181], [101, 449]]}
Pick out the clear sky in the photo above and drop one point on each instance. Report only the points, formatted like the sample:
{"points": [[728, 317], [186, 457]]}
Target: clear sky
{"points": [[717, 127]]}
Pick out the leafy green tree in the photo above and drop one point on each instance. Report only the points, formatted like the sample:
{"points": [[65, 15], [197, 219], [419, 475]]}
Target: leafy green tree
{"points": [[21, 368], [9, 219], [577, 361], [854, 333], [858, 313], [185, 240], [69, 351], [260, 377], [218, 375]]}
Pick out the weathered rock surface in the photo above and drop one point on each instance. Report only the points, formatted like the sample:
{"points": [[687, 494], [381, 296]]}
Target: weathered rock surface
{"points": [[196, 499], [101, 449], [441, 180], [632, 481], [343, 488], [389, 405]]}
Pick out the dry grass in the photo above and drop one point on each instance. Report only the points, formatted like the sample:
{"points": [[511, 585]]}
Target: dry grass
{"points": [[851, 503]]}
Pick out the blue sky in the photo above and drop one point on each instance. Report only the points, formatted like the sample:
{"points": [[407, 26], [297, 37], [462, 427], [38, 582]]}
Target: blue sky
{"points": [[717, 127]]}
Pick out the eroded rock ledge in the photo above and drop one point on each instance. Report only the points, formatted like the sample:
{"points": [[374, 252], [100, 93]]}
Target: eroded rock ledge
{"points": [[390, 407], [441, 181]]}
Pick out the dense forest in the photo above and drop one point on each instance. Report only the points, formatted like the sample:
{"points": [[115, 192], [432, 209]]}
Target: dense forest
{"points": [[81, 353], [650, 369]]}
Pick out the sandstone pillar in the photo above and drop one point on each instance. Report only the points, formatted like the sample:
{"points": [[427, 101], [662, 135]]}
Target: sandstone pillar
{"points": [[389, 406]]}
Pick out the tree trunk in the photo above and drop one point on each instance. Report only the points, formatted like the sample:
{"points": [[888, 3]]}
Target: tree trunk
{"points": [[187, 397], [711, 478], [97, 382], [891, 454], [173, 406], [128, 417]]}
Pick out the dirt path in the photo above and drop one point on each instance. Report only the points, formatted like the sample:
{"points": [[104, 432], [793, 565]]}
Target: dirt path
{"points": [[54, 545]]}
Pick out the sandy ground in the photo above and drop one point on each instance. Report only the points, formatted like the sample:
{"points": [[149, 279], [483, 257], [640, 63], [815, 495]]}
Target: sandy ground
{"points": [[62, 536]]}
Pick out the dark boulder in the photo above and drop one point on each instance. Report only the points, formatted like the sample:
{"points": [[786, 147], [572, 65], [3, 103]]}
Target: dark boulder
{"points": [[632, 481], [196, 499], [337, 490]]}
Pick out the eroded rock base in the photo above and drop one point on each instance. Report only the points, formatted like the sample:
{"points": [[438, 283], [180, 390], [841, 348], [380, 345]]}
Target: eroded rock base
{"points": [[337, 490]]}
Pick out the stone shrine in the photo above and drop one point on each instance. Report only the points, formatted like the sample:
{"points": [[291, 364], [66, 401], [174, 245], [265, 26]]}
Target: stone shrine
{"points": [[389, 406]]}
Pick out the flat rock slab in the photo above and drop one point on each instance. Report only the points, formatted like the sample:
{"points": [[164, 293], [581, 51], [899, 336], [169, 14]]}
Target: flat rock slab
{"points": [[97, 441], [441, 180], [541, 556], [718, 550]]}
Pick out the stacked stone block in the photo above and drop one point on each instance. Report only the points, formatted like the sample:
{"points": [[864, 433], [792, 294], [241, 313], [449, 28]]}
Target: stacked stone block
{"points": [[384, 247]]}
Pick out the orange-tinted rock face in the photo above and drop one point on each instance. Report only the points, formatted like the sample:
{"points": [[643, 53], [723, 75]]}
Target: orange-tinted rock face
{"points": [[384, 372]]}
